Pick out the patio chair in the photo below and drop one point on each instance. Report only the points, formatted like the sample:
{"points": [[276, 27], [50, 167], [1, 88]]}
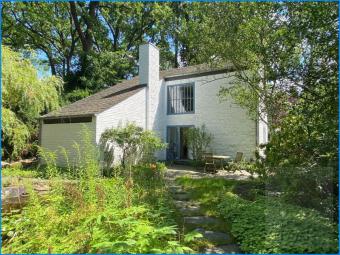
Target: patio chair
{"points": [[238, 158], [209, 162]]}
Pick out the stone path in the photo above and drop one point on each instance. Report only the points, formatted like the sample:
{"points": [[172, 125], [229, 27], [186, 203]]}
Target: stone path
{"points": [[195, 219], [178, 171]]}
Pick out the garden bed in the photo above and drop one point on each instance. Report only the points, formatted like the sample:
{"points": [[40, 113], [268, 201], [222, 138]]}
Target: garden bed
{"points": [[97, 215], [263, 224]]}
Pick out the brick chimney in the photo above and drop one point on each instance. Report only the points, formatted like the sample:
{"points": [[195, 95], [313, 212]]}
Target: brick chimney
{"points": [[148, 64], [149, 75]]}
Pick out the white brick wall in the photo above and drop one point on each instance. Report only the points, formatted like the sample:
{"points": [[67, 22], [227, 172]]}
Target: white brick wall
{"points": [[156, 112], [148, 63], [55, 136], [149, 74], [131, 109], [230, 125]]}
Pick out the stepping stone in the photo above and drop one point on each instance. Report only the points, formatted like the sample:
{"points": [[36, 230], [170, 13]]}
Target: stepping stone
{"points": [[190, 211], [176, 190], [13, 197], [215, 237], [183, 204], [201, 221], [223, 249], [181, 196]]}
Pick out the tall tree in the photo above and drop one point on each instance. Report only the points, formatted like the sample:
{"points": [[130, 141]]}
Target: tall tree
{"points": [[285, 54], [53, 33], [79, 37], [24, 98]]}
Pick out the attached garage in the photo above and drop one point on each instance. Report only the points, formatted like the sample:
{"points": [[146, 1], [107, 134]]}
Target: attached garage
{"points": [[65, 132], [124, 102]]}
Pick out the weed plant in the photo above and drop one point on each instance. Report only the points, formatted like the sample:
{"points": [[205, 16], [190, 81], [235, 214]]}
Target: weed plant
{"points": [[94, 214]]}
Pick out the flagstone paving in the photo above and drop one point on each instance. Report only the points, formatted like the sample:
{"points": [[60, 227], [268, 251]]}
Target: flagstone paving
{"points": [[194, 218]]}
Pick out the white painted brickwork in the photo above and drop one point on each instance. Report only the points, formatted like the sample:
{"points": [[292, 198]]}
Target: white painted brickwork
{"points": [[230, 125], [149, 74], [130, 110]]}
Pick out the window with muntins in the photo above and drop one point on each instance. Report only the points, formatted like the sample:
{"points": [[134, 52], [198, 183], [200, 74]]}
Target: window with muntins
{"points": [[181, 99]]}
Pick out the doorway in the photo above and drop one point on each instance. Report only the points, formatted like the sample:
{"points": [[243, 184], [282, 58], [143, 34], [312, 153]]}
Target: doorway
{"points": [[177, 142]]}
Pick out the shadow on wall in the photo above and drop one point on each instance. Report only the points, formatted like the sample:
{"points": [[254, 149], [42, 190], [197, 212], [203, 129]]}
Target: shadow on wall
{"points": [[159, 125], [107, 156]]}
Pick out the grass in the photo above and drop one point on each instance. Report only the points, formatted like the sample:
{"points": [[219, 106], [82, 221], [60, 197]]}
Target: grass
{"points": [[209, 192], [20, 172]]}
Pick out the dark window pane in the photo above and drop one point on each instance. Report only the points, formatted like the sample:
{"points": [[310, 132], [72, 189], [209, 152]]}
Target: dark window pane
{"points": [[180, 99], [68, 120]]}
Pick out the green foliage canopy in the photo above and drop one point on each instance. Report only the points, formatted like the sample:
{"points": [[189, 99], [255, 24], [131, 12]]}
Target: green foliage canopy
{"points": [[24, 98], [285, 57], [92, 45]]}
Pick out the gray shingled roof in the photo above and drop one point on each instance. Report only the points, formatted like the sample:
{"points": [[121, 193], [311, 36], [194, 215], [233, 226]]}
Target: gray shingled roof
{"points": [[109, 97]]}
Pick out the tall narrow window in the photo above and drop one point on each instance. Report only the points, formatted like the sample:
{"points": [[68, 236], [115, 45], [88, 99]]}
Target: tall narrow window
{"points": [[181, 99]]}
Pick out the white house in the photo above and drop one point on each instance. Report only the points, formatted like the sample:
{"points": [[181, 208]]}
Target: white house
{"points": [[167, 102]]}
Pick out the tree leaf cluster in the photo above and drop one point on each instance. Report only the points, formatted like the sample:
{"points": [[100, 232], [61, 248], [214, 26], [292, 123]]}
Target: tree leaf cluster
{"points": [[24, 98], [92, 45], [137, 145]]}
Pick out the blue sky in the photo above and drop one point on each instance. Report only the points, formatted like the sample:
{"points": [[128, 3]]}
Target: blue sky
{"points": [[43, 71]]}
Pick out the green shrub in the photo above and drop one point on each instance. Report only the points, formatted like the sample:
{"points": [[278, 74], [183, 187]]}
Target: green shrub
{"points": [[67, 222], [313, 187], [302, 154], [77, 94], [198, 140], [250, 167], [136, 145], [268, 226], [151, 172]]}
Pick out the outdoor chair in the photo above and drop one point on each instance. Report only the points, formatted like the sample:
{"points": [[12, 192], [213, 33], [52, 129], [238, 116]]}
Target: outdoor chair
{"points": [[209, 163], [238, 158]]}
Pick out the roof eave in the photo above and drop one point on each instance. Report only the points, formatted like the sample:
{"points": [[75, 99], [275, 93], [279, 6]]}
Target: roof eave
{"points": [[197, 74]]}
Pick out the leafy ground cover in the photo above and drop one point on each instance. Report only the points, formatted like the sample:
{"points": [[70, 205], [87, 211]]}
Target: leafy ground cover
{"points": [[98, 215], [263, 224]]}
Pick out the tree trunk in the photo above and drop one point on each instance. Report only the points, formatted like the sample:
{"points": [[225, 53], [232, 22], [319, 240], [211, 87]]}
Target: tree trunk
{"points": [[80, 32], [176, 53], [51, 62], [86, 37]]}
